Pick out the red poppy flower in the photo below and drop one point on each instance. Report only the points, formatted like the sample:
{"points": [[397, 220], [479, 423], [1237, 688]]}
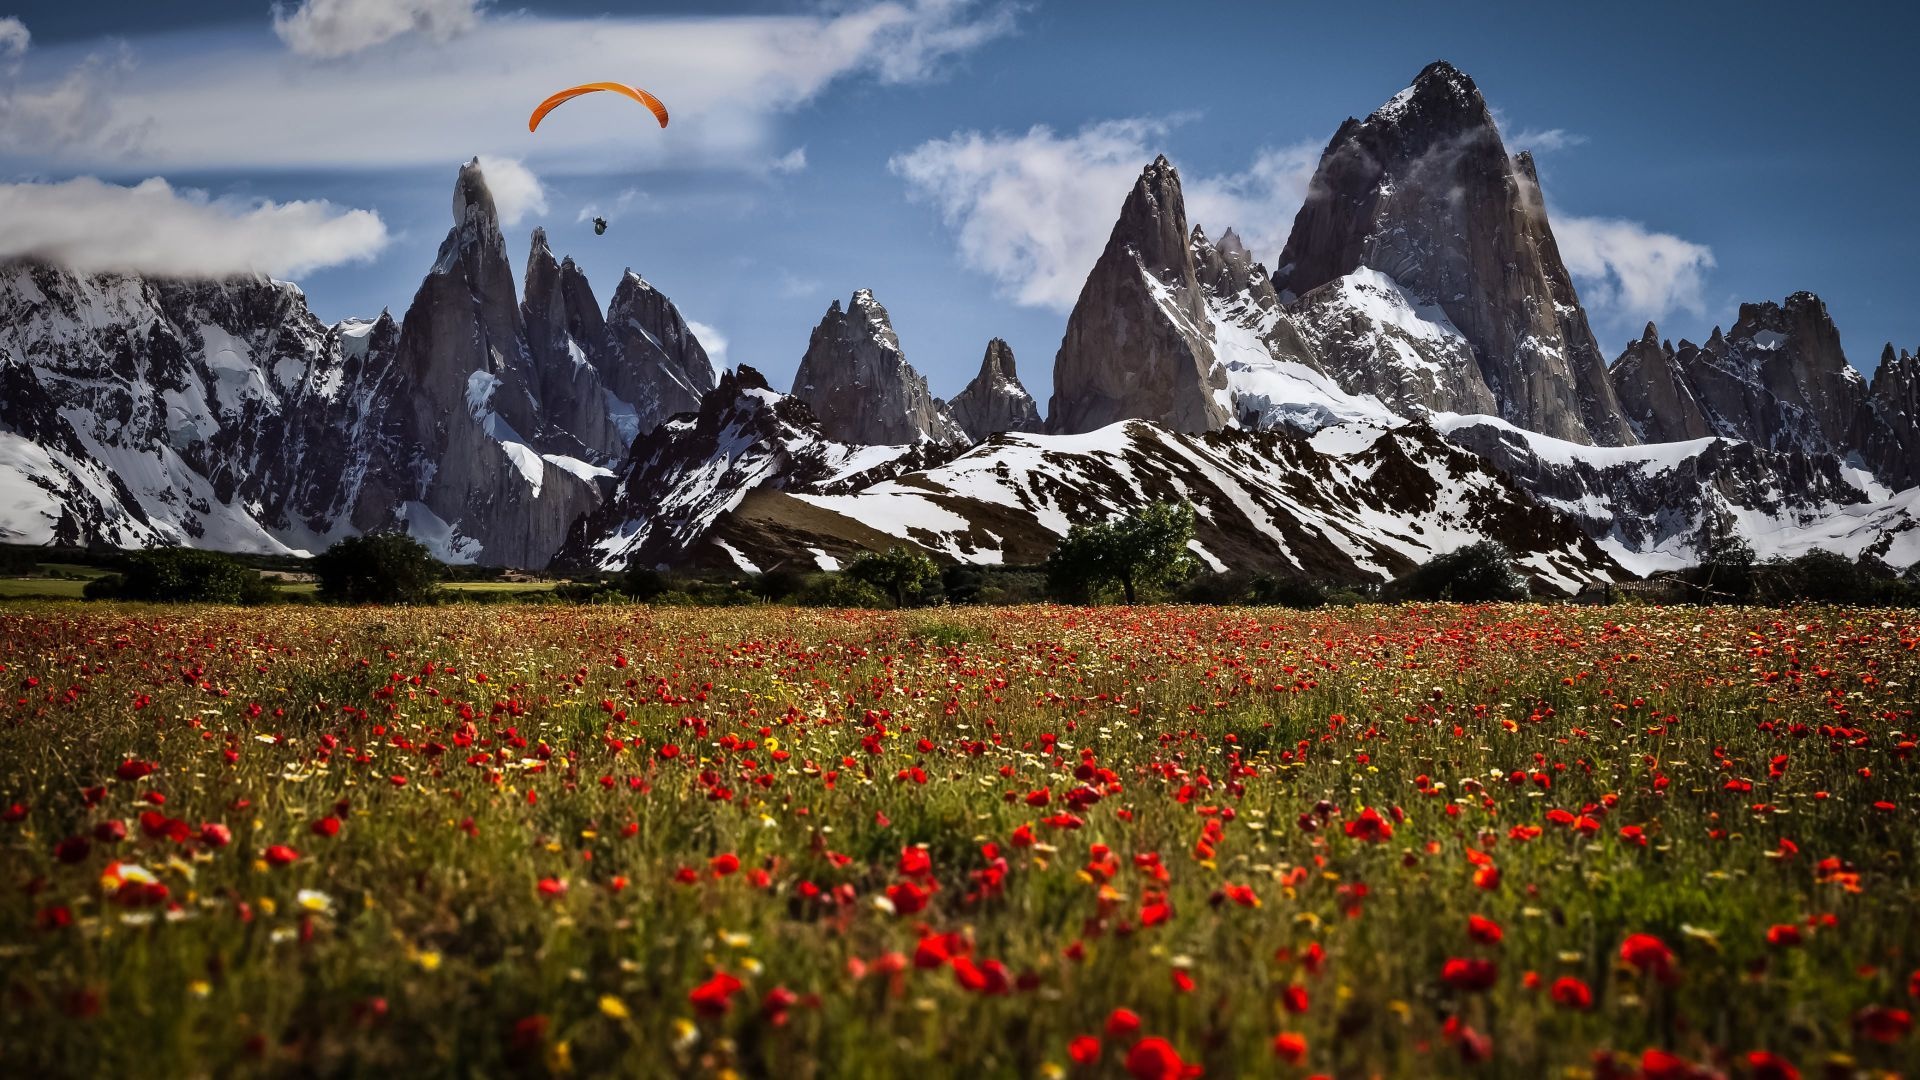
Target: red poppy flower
{"points": [[1483, 930], [215, 835], [1768, 1066], [327, 826], [551, 888], [1469, 974], [278, 855], [915, 861], [1370, 826], [1123, 1023], [1882, 1024], [908, 898], [1290, 1047], [724, 864], [1154, 1058], [1294, 999], [1571, 993], [1648, 955], [1784, 935], [715, 996], [1084, 1050]]}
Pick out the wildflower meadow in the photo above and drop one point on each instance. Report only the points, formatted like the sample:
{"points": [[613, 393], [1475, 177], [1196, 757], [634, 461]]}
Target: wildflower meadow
{"points": [[1157, 842]]}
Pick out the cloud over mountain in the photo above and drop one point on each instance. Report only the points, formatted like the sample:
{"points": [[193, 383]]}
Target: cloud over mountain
{"points": [[155, 228]]}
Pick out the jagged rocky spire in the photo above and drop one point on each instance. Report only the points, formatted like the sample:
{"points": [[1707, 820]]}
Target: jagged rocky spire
{"points": [[995, 401], [858, 382], [1423, 191], [1139, 341]]}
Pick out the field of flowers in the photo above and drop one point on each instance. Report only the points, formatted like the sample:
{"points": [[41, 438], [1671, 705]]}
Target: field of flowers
{"points": [[1418, 841]]}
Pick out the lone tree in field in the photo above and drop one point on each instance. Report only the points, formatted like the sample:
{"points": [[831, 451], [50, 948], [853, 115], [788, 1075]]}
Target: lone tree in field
{"points": [[383, 568], [1476, 574], [1727, 561], [1144, 549], [902, 573]]}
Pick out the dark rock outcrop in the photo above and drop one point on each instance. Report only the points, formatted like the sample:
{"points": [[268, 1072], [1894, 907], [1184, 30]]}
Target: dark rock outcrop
{"points": [[1656, 392], [995, 401], [1373, 337], [857, 381], [1893, 427], [652, 362], [1780, 380]]}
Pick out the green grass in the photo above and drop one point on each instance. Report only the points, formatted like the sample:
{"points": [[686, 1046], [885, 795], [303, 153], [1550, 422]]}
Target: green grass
{"points": [[49, 588]]}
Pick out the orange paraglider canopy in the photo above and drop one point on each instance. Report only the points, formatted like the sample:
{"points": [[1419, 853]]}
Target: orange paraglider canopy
{"points": [[564, 96]]}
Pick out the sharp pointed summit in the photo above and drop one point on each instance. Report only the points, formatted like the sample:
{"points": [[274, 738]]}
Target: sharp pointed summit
{"points": [[1423, 191]]}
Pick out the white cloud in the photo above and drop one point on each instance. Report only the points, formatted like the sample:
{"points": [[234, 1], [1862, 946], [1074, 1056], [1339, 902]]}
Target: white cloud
{"points": [[911, 41], [154, 228], [792, 161], [218, 101], [713, 341], [329, 29], [14, 38], [1629, 273], [517, 193], [1034, 210], [1544, 142], [74, 109]]}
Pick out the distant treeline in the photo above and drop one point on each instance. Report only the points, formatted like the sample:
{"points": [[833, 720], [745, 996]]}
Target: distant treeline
{"points": [[1142, 557]]}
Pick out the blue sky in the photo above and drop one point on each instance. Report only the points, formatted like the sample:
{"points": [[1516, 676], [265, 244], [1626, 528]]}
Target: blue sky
{"points": [[963, 158]]}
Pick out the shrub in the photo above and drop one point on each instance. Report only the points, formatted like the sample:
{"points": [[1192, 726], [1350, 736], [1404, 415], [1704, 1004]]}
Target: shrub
{"points": [[842, 590], [641, 583], [1287, 592], [780, 584], [182, 575], [1825, 577], [379, 568], [903, 573], [1478, 573]]}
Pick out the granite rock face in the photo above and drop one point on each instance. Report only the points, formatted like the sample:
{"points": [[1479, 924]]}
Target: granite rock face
{"points": [[1374, 337], [1656, 392], [1780, 380], [652, 362], [857, 381], [1424, 192], [1139, 342], [1893, 428], [223, 414], [995, 401]]}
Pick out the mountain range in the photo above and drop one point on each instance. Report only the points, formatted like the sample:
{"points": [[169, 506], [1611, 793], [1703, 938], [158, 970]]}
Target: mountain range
{"points": [[1417, 372]]}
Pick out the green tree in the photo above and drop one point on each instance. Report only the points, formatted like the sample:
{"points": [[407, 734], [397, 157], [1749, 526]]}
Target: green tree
{"points": [[380, 568], [902, 573], [1144, 549], [1479, 573], [183, 575], [1726, 570], [642, 583]]}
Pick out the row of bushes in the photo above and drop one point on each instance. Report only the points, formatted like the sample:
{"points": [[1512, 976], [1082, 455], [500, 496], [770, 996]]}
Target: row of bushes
{"points": [[379, 569], [1731, 574], [1137, 560]]}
